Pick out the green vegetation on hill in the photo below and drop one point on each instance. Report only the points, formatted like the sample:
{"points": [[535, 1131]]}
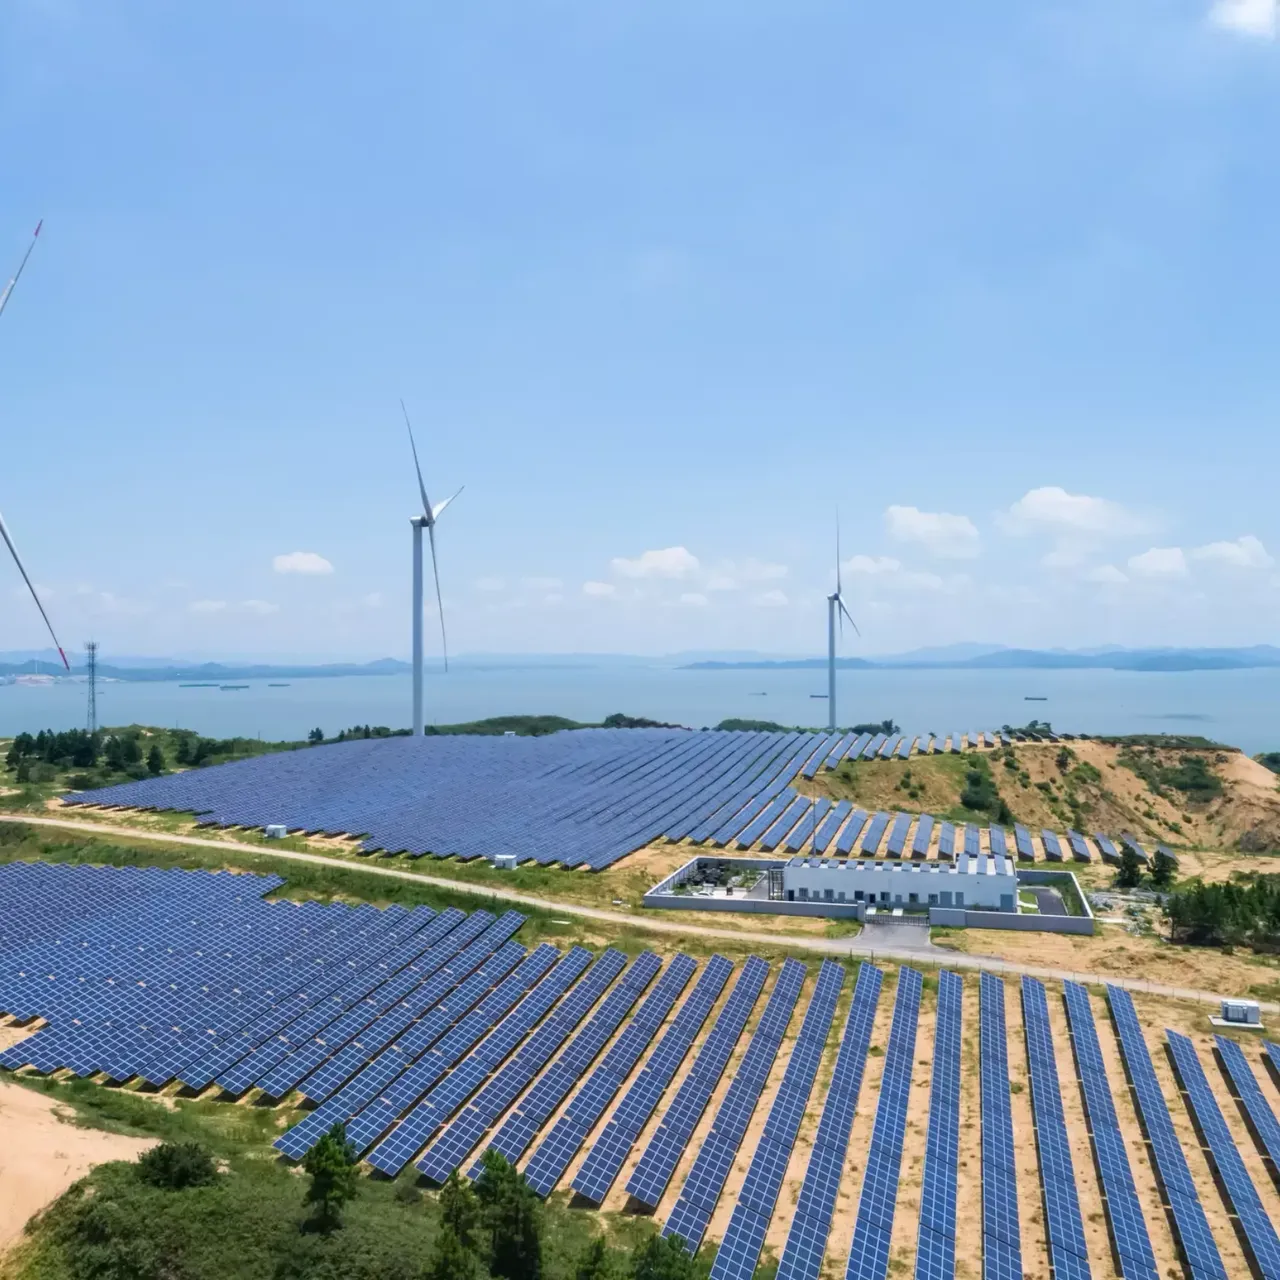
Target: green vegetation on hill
{"points": [[1172, 741], [1269, 760], [772, 726], [1243, 912], [168, 1217], [1191, 774]]}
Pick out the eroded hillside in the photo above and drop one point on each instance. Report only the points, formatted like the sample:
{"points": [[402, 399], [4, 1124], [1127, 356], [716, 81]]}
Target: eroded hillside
{"points": [[1184, 796]]}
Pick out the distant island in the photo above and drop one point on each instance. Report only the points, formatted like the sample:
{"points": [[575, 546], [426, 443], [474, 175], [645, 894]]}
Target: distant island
{"points": [[1263, 655]]}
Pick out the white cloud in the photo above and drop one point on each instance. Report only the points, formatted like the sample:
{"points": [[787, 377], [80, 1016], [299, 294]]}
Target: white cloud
{"points": [[1259, 18], [372, 601], [774, 599], [732, 574], [1244, 553], [1159, 562], [599, 589], [721, 582], [670, 562], [950, 536], [1052, 509], [301, 562], [872, 564], [541, 584], [490, 584], [207, 606], [1107, 575], [694, 598], [260, 607]]}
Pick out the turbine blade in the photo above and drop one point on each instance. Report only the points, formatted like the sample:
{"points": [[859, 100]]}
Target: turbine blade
{"points": [[17, 559], [435, 569], [440, 506], [422, 488], [838, 553], [13, 280], [848, 615]]}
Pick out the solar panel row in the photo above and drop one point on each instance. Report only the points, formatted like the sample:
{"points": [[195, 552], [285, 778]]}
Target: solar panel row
{"points": [[1128, 1229], [739, 1251], [653, 1172], [1001, 1236], [1244, 1087], [444, 1098], [447, 1153], [1190, 1225], [811, 1219], [702, 1188], [614, 1144], [555, 1084], [1068, 1253], [1230, 1174], [869, 1251], [551, 1158], [936, 1241]]}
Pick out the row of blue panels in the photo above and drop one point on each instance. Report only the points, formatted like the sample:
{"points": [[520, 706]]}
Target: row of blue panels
{"points": [[577, 798]]}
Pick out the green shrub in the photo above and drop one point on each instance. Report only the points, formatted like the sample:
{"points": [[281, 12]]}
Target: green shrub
{"points": [[176, 1166]]}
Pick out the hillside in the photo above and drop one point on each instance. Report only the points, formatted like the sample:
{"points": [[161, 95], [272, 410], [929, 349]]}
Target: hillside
{"points": [[1200, 798]]}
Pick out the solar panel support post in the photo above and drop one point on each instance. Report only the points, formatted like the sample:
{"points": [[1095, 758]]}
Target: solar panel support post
{"points": [[417, 725]]}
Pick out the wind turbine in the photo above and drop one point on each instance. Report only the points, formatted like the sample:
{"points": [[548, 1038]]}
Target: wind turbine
{"points": [[4, 530], [427, 520], [836, 613]]}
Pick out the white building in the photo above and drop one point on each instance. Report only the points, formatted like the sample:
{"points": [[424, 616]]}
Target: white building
{"points": [[982, 881]]}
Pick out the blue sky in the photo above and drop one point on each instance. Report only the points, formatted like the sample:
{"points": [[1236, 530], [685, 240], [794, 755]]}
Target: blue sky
{"points": [[665, 283]]}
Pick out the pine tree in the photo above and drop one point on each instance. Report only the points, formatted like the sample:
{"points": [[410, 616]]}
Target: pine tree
{"points": [[663, 1258], [332, 1166], [1163, 868], [594, 1263], [155, 759], [451, 1259], [1130, 874], [460, 1210], [513, 1215]]}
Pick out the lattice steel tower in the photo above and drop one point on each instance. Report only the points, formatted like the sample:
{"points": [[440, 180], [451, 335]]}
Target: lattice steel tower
{"points": [[91, 649]]}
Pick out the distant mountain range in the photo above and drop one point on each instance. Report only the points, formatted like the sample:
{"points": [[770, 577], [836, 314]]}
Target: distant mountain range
{"points": [[212, 671], [1262, 655]]}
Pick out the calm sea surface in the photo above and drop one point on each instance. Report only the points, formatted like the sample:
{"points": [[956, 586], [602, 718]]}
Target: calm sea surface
{"points": [[1237, 707]]}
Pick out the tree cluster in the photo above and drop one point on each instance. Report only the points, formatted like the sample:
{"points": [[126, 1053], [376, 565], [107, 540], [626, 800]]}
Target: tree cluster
{"points": [[981, 794], [1235, 913], [74, 748]]}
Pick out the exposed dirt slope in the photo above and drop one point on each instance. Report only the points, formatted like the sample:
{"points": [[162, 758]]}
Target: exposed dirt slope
{"points": [[1197, 798]]}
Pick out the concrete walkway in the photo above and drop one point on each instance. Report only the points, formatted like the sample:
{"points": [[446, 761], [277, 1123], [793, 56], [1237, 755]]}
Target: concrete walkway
{"points": [[871, 944]]}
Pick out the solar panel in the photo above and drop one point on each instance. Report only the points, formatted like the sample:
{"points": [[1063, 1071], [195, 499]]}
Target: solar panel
{"points": [[613, 1146], [946, 840], [555, 1084], [830, 825], [811, 1218], [1138, 850], [1128, 1229], [552, 1156], [848, 837], [653, 1171], [1179, 1190], [871, 841], [744, 1237], [898, 835], [1272, 1059], [1079, 847], [1052, 848], [869, 1251], [1022, 840], [697, 1200], [890, 746], [1001, 1238], [904, 748], [1065, 1229], [996, 842], [447, 1153], [1260, 1240], [1244, 1087], [936, 1247], [808, 824], [972, 840], [924, 833]]}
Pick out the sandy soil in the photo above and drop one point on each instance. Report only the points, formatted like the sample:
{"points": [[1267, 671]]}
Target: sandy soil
{"points": [[1115, 953], [42, 1155]]}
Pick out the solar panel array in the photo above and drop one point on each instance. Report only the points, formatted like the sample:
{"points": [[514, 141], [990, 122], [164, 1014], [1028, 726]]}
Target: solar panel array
{"points": [[1261, 1242], [522, 1125], [1001, 1235], [447, 1153], [1068, 1253], [547, 1164], [1244, 1087], [706, 1179], [1128, 1228], [936, 1241], [739, 1251], [614, 1144], [580, 798], [811, 1218], [1179, 1190], [869, 1252], [653, 1172]]}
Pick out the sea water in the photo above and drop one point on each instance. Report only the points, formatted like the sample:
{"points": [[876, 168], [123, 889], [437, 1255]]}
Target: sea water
{"points": [[1235, 707]]}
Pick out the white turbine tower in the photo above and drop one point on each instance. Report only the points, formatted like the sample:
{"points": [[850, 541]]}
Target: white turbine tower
{"points": [[4, 531], [427, 520], [836, 613]]}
